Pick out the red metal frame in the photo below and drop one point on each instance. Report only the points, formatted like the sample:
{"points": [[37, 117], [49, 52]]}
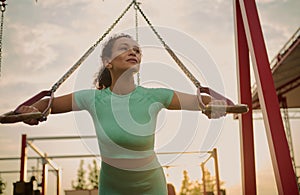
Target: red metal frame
{"points": [[245, 97], [46, 163], [280, 155], [23, 165]]}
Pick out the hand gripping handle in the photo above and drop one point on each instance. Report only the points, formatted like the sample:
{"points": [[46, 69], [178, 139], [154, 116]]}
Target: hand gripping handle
{"points": [[14, 116], [229, 108]]}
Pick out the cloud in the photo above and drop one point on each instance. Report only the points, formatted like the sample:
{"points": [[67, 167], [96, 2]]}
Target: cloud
{"points": [[207, 17], [213, 23], [62, 4], [42, 51], [279, 20], [35, 44], [270, 1]]}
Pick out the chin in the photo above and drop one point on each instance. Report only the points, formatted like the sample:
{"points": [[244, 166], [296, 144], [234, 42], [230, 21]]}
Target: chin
{"points": [[135, 68]]}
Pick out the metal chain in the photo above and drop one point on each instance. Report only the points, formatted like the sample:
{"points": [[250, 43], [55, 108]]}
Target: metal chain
{"points": [[136, 22], [3, 8], [137, 38], [169, 50], [88, 52]]}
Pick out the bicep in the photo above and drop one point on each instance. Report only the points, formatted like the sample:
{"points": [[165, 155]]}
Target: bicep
{"points": [[184, 101]]}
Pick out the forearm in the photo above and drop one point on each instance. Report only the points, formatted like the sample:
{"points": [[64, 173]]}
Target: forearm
{"points": [[183, 101], [60, 104]]}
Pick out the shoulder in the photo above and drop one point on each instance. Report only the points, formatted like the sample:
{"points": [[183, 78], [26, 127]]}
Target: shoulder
{"points": [[162, 95], [84, 93], [86, 98], [89, 92], [154, 90]]}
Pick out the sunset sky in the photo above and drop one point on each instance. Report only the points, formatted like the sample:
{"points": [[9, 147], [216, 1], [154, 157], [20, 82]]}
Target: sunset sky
{"points": [[42, 40]]}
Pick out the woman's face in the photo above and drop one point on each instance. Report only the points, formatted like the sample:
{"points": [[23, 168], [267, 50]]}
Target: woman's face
{"points": [[126, 54]]}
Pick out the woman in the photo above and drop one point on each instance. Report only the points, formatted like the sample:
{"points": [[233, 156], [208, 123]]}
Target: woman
{"points": [[124, 117]]}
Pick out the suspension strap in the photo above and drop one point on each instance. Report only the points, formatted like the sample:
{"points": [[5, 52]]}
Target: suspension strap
{"points": [[137, 37], [2, 8]]}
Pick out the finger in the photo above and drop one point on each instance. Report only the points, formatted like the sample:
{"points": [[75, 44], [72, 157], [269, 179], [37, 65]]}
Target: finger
{"points": [[207, 113], [22, 109], [214, 115], [27, 109], [31, 122]]}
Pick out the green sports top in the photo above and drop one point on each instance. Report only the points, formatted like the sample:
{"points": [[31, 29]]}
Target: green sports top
{"points": [[125, 124], [125, 127]]}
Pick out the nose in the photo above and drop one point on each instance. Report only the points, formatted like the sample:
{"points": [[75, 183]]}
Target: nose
{"points": [[134, 51]]}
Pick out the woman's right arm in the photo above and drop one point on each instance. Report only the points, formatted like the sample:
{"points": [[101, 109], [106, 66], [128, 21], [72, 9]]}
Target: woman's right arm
{"points": [[60, 104]]}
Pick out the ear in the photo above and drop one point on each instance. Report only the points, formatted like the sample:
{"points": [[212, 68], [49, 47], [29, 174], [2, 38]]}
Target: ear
{"points": [[107, 63]]}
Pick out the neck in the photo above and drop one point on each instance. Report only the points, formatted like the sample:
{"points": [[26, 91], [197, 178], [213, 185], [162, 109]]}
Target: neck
{"points": [[122, 84]]}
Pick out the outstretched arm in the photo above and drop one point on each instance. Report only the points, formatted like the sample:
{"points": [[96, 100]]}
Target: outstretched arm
{"points": [[60, 104], [184, 101]]}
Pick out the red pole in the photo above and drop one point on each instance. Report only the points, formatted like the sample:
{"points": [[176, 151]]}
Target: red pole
{"points": [[23, 167], [280, 155], [245, 97]]}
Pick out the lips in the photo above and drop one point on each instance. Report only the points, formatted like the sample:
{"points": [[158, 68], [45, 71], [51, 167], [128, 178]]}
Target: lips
{"points": [[132, 60]]}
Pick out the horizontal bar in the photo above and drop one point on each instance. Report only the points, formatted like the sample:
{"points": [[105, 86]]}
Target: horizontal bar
{"points": [[97, 155], [192, 152], [18, 171], [62, 137]]}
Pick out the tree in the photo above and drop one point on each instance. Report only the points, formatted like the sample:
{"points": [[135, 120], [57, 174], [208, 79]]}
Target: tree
{"points": [[185, 184], [196, 188], [80, 183], [210, 181], [2, 185], [94, 175], [189, 187]]}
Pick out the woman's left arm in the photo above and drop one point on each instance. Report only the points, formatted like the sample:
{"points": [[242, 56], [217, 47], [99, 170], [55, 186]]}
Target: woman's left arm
{"points": [[184, 101]]}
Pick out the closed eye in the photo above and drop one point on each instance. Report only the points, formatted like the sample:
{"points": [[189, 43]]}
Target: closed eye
{"points": [[137, 50], [123, 48]]}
